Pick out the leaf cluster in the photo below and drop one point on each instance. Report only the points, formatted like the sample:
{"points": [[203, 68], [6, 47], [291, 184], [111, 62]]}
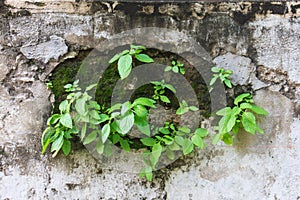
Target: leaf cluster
{"points": [[176, 67]]}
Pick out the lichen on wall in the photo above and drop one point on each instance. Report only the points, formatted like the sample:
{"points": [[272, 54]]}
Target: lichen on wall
{"points": [[259, 40]]}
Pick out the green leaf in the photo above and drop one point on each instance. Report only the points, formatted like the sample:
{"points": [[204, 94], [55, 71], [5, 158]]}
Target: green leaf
{"points": [[145, 102], [228, 83], [66, 120], [170, 87], [224, 111], [168, 68], [146, 172], [193, 108], [213, 80], [126, 122], [80, 106], [90, 87], [182, 110], [90, 138], [165, 99], [125, 107], [100, 147], [57, 144], [170, 154], [115, 107], [256, 109], [226, 123], [148, 141], [179, 140], [197, 140], [53, 119], [64, 106], [249, 122], [215, 69], [117, 56], [140, 111], [116, 138], [174, 146], [105, 132], [103, 118], [175, 69], [94, 114], [108, 151], [144, 58], [132, 46], [83, 131], [155, 154], [241, 97], [125, 145], [124, 65], [201, 132], [184, 129], [182, 71], [66, 147], [227, 139], [187, 146], [216, 138]]}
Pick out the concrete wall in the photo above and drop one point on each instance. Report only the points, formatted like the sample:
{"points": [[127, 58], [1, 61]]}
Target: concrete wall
{"points": [[260, 41]]}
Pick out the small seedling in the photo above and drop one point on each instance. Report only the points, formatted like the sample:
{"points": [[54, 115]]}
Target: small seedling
{"points": [[223, 75], [159, 91], [177, 67]]}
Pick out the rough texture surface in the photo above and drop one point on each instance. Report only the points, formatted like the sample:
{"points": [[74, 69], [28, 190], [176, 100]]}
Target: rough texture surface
{"points": [[259, 41]]}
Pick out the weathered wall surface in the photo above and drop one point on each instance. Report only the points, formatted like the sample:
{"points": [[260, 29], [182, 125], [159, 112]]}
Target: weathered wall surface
{"points": [[260, 41]]}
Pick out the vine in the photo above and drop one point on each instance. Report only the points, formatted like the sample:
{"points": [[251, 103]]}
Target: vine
{"points": [[79, 115]]}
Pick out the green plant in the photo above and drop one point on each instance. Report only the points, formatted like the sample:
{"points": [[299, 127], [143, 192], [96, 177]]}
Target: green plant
{"points": [[222, 74], [241, 115], [176, 67], [79, 115], [125, 59], [159, 91]]}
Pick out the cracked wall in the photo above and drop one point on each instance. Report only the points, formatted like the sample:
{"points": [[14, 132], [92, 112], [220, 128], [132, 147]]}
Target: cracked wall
{"points": [[259, 40]]}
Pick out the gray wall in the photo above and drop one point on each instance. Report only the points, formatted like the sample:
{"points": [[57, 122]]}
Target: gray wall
{"points": [[259, 41]]}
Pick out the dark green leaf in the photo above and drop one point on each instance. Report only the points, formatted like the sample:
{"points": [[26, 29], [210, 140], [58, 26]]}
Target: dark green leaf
{"points": [[227, 139], [57, 144], [66, 120], [66, 147], [125, 145], [116, 138], [144, 58], [124, 66]]}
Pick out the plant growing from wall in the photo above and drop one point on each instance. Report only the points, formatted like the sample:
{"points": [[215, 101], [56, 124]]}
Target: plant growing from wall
{"points": [[79, 115]]}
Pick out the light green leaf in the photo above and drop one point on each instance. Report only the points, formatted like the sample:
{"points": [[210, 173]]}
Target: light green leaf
{"points": [[100, 147], [170, 154], [66, 147], [124, 65], [155, 154], [53, 119], [83, 131], [66, 120], [193, 108], [90, 87], [215, 69], [115, 107], [57, 144], [201, 132], [145, 102], [105, 132], [174, 146], [90, 138], [227, 139], [175, 69], [224, 111], [125, 107], [226, 123], [108, 151], [184, 129], [117, 56], [165, 99], [144, 58], [179, 140], [216, 138], [80, 106], [168, 68], [148, 141], [256, 109], [197, 140], [187, 146], [94, 114], [126, 122], [249, 122], [241, 97], [213, 80], [170, 87], [64, 106], [140, 111], [228, 83]]}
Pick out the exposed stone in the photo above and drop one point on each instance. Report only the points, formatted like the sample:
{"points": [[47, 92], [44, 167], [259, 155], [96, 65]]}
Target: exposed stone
{"points": [[52, 49]]}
